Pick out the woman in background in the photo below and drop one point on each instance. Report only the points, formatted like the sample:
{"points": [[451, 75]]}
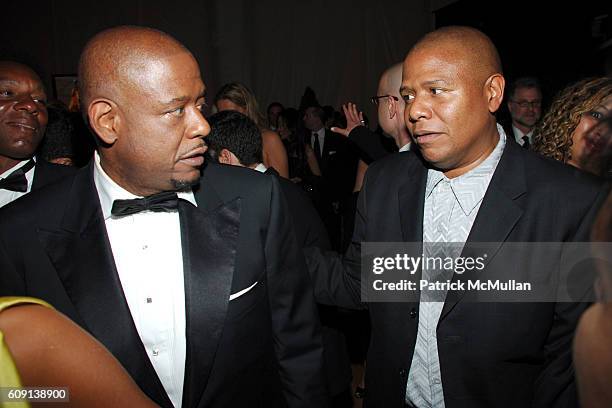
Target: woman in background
{"points": [[236, 96], [567, 132]]}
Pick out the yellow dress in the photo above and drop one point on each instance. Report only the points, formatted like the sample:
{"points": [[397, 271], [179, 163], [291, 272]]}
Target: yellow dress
{"points": [[9, 377]]}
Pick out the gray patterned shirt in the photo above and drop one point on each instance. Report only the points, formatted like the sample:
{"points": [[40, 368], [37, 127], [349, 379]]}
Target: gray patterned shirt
{"points": [[450, 209]]}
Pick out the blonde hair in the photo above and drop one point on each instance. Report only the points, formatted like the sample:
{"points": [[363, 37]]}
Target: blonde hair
{"points": [[552, 137], [242, 96]]}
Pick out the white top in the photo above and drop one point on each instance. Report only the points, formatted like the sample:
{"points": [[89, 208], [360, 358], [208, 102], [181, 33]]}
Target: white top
{"points": [[7, 196], [148, 255]]}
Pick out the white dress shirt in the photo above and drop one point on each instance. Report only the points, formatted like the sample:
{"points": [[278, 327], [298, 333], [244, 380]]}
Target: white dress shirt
{"points": [[7, 196], [518, 135], [405, 148], [148, 255], [321, 135]]}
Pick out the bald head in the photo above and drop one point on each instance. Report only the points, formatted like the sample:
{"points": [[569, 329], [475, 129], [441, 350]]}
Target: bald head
{"points": [[117, 58], [465, 45], [391, 80]]}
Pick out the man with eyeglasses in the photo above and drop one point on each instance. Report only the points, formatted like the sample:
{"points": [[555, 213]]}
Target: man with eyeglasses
{"points": [[390, 117], [525, 106]]}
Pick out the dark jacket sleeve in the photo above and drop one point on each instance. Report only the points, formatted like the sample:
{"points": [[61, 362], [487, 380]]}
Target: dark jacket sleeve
{"points": [[295, 322], [556, 385], [336, 278], [369, 144]]}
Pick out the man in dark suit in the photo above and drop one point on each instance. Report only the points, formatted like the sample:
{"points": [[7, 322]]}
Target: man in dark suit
{"points": [[338, 163], [525, 108], [468, 184], [196, 285], [23, 118]]}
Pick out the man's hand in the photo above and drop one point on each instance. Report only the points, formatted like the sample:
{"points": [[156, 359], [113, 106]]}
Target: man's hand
{"points": [[354, 118]]}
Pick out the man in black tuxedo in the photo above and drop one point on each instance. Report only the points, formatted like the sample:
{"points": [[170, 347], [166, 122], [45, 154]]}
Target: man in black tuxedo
{"points": [[467, 184], [338, 163], [196, 284], [23, 118]]}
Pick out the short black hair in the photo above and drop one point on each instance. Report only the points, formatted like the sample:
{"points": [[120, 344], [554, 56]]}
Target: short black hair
{"points": [[237, 133], [57, 142], [523, 82]]}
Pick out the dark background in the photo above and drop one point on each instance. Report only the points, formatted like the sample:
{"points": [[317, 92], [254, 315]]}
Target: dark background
{"points": [[340, 47]]}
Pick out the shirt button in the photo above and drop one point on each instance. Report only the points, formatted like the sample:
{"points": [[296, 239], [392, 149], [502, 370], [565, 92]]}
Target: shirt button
{"points": [[149, 300], [155, 352], [145, 247], [436, 381]]}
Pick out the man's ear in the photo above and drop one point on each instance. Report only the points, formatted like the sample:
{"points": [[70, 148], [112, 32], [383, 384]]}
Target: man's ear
{"points": [[392, 107], [494, 90], [104, 119], [227, 157]]}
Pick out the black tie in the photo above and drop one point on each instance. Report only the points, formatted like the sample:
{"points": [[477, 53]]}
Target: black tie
{"points": [[165, 201], [317, 146], [525, 142], [17, 181]]}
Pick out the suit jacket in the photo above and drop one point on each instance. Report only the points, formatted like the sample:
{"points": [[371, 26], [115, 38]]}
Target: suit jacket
{"points": [[491, 355], [48, 173], [54, 246], [338, 164], [311, 232]]}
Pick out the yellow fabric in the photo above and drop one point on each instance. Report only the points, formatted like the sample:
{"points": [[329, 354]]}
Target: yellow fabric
{"points": [[9, 377]]}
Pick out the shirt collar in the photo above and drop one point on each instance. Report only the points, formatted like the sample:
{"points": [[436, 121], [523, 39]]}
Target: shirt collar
{"points": [[320, 132], [405, 148], [109, 190], [519, 133], [469, 188], [17, 167], [260, 168]]}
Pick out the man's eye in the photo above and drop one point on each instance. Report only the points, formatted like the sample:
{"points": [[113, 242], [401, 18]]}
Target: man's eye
{"points": [[436, 91], [178, 111], [407, 98], [5, 92]]}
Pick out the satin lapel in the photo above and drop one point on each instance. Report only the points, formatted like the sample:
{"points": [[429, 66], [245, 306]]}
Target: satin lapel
{"points": [[209, 241], [497, 216], [81, 255]]}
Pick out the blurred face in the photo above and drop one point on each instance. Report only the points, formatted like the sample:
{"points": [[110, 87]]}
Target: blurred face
{"points": [[273, 113], [23, 114], [226, 104], [311, 120], [525, 108], [159, 144], [592, 138], [448, 112], [283, 129]]}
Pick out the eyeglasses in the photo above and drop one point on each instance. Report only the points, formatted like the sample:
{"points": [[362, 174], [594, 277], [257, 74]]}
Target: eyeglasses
{"points": [[376, 99], [528, 104]]}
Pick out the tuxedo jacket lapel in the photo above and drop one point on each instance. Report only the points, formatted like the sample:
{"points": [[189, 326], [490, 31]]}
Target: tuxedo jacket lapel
{"points": [[81, 254], [209, 236], [497, 216]]}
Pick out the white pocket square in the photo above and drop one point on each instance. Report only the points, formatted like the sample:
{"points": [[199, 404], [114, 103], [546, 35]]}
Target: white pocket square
{"points": [[242, 292], [331, 152]]}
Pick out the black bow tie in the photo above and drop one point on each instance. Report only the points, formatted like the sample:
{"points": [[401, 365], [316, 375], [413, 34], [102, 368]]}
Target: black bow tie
{"points": [[17, 181], [165, 201]]}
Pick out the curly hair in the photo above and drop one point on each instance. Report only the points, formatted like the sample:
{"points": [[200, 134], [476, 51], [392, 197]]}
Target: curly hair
{"points": [[552, 137], [242, 96]]}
